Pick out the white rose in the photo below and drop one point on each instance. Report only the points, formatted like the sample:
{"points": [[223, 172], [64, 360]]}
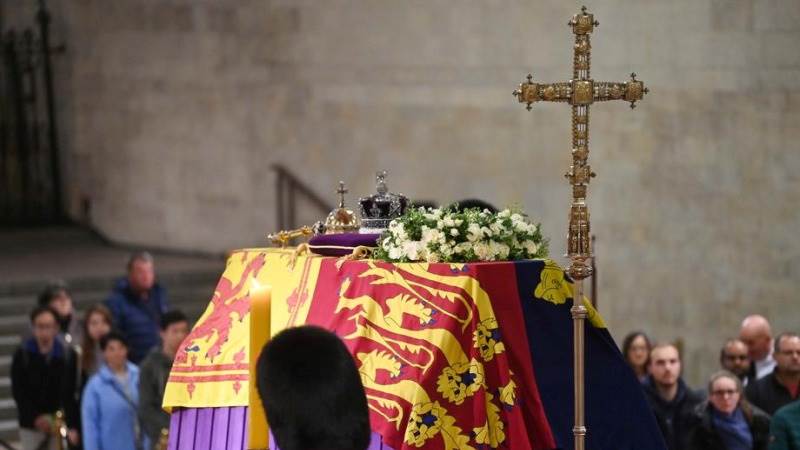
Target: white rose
{"points": [[481, 251], [504, 213], [395, 252], [400, 232], [411, 250], [462, 248], [498, 250], [431, 235], [453, 232], [530, 247], [446, 250], [474, 232]]}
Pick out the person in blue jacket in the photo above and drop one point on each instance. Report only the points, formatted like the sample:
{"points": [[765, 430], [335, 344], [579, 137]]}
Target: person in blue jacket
{"points": [[110, 400], [137, 303]]}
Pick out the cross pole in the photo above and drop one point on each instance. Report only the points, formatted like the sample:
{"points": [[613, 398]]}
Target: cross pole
{"points": [[341, 191], [580, 92]]}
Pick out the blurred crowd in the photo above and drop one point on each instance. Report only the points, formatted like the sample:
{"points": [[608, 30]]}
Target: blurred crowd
{"points": [[750, 403], [98, 383]]}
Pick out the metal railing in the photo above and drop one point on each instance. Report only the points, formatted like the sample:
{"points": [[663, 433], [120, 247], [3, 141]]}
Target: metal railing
{"points": [[290, 188]]}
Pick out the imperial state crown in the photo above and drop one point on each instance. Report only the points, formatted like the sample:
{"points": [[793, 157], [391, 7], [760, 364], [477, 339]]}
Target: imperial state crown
{"points": [[379, 209]]}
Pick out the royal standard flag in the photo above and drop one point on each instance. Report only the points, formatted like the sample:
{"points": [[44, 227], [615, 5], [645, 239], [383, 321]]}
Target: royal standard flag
{"points": [[452, 356]]}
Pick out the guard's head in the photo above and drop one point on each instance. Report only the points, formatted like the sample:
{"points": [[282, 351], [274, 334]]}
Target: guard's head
{"points": [[471, 203], [311, 392]]}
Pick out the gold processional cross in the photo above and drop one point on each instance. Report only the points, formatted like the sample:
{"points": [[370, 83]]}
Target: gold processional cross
{"points": [[580, 92]]}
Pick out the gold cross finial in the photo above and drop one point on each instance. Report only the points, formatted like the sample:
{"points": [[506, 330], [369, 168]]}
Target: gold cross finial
{"points": [[341, 191]]}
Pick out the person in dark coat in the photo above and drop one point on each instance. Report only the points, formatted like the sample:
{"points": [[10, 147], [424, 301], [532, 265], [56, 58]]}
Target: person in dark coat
{"points": [[137, 304], [672, 402], [43, 378], [154, 372], [727, 421], [782, 386]]}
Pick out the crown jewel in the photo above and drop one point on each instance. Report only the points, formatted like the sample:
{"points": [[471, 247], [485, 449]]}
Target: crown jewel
{"points": [[341, 219], [379, 209]]}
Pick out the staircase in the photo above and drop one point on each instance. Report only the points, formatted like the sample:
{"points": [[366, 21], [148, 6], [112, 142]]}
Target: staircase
{"points": [[189, 288]]}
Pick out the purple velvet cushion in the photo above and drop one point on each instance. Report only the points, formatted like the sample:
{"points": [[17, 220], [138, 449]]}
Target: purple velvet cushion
{"points": [[341, 244]]}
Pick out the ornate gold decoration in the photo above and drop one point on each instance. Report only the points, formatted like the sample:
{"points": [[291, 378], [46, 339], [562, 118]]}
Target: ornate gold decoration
{"points": [[60, 431], [582, 92], [163, 440], [341, 219], [283, 237]]}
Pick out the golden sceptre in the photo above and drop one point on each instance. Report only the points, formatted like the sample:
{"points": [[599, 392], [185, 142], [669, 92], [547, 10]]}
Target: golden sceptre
{"points": [[283, 238]]}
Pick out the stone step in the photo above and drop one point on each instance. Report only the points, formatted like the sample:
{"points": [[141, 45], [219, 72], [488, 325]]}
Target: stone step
{"points": [[5, 387], [14, 310], [197, 292], [9, 343], [9, 432], [5, 365], [104, 283], [8, 409]]}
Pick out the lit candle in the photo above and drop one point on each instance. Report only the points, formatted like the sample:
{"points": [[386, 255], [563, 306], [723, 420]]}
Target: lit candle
{"points": [[260, 298]]}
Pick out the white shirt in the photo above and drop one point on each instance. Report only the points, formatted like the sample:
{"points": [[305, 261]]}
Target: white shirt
{"points": [[765, 366]]}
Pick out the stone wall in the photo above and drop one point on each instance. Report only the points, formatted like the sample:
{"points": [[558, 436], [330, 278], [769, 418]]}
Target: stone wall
{"points": [[173, 111]]}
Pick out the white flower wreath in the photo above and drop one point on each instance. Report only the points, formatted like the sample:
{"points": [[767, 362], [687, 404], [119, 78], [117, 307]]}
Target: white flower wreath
{"points": [[448, 235]]}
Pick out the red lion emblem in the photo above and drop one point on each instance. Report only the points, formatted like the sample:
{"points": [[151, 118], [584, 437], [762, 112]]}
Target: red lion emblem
{"points": [[228, 300]]}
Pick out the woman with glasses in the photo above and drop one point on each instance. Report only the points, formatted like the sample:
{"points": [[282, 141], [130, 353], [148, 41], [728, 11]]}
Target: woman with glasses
{"points": [[727, 421]]}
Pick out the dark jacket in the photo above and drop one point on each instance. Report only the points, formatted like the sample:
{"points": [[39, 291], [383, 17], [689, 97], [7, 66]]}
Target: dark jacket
{"points": [[136, 318], [153, 374], [705, 437], [675, 417], [768, 394], [785, 428], [43, 384]]}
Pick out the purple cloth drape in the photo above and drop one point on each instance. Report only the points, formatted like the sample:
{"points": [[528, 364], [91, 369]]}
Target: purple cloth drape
{"points": [[221, 429]]}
